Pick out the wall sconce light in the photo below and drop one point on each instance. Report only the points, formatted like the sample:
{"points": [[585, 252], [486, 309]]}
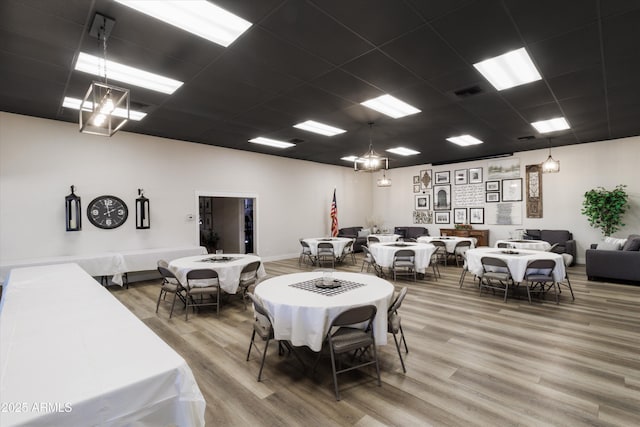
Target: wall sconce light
{"points": [[73, 211], [143, 219]]}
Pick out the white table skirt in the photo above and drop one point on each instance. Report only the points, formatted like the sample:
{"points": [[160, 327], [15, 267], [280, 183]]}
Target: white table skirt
{"points": [[517, 263], [338, 244], [384, 252], [537, 245], [386, 237], [228, 271], [450, 242], [303, 317], [96, 265], [147, 259], [67, 342]]}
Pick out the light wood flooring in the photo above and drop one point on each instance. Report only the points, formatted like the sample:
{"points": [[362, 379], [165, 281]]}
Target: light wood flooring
{"points": [[473, 360]]}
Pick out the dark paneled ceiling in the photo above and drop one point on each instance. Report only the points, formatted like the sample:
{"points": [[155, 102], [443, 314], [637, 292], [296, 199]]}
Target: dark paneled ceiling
{"points": [[319, 59]]}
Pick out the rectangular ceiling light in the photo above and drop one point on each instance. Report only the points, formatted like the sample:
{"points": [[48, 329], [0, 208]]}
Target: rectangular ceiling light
{"points": [[403, 151], [352, 159], [271, 142], [123, 73], [511, 69], [551, 125], [198, 17], [392, 107], [464, 140], [74, 103], [321, 128]]}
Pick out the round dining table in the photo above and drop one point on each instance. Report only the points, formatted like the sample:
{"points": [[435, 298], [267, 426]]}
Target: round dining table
{"points": [[301, 312], [228, 266], [338, 244], [516, 260], [384, 252], [450, 242], [537, 245], [386, 237]]}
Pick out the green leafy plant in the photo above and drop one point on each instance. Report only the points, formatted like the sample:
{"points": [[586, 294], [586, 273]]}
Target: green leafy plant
{"points": [[604, 209]]}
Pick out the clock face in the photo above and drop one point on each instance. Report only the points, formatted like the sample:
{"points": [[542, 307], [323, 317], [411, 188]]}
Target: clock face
{"points": [[107, 212]]}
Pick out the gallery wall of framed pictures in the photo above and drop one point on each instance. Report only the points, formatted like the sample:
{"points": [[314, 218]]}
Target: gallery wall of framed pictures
{"points": [[474, 195]]}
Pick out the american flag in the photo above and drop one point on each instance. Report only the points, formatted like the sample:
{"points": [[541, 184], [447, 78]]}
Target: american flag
{"points": [[334, 215]]}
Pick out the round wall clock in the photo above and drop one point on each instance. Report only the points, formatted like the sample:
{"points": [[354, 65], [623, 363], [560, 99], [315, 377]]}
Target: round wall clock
{"points": [[107, 212]]}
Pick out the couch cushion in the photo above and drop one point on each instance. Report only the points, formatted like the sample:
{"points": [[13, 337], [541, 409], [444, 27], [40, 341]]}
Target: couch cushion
{"points": [[615, 240], [608, 246], [364, 232], [632, 244], [555, 236]]}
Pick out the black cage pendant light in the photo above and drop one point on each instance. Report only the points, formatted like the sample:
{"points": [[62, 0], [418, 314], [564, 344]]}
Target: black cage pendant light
{"points": [[550, 165], [370, 161], [105, 107]]}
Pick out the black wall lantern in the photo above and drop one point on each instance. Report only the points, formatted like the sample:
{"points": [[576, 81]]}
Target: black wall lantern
{"points": [[143, 219], [73, 211]]}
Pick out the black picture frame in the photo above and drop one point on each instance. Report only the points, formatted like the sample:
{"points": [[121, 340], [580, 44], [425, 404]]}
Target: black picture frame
{"points": [[442, 197], [461, 176], [416, 179], [442, 177], [492, 197], [460, 216], [425, 179], [422, 202], [475, 175], [512, 190], [492, 186], [476, 215], [442, 217]]}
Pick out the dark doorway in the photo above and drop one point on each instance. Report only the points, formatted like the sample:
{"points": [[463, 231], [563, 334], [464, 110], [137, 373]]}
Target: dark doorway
{"points": [[226, 223]]}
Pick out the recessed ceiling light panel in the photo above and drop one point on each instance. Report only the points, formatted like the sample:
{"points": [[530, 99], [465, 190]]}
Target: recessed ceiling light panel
{"points": [[317, 127], [74, 103], [392, 107], [271, 142], [352, 159], [464, 140], [126, 74], [511, 69], [551, 125], [403, 151], [198, 17]]}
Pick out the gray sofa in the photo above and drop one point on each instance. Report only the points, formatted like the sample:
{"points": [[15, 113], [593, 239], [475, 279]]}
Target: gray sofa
{"points": [[352, 233], [620, 264], [411, 232], [563, 238]]}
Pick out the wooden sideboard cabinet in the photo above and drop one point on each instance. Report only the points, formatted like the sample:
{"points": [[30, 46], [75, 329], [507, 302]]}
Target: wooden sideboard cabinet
{"points": [[481, 235]]}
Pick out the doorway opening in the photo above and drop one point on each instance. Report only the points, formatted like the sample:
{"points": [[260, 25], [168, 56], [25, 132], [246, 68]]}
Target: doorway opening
{"points": [[227, 224]]}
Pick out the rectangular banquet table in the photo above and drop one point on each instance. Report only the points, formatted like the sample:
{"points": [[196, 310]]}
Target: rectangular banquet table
{"points": [[72, 355]]}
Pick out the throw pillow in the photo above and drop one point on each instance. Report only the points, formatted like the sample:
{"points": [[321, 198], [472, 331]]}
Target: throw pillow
{"points": [[608, 246], [364, 232], [632, 244], [615, 240]]}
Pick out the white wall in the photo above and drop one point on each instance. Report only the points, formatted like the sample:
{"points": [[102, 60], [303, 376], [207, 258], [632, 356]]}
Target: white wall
{"points": [[40, 159], [582, 167]]}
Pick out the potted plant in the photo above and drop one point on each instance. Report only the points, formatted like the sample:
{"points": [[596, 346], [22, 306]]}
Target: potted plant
{"points": [[604, 209]]}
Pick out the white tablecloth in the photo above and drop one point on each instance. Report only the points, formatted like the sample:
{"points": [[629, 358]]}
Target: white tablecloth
{"points": [[386, 237], [147, 259], [96, 265], [228, 271], [383, 253], [537, 245], [73, 355], [338, 244], [303, 317], [517, 262], [450, 242]]}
